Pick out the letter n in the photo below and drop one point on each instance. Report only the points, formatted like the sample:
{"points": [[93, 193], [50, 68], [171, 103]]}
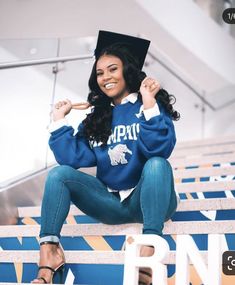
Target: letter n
{"points": [[187, 250]]}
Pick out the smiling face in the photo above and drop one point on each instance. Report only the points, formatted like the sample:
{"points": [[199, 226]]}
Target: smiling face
{"points": [[109, 72]]}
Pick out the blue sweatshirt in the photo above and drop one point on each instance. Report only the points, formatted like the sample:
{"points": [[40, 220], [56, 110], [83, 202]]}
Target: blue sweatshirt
{"points": [[133, 141]]}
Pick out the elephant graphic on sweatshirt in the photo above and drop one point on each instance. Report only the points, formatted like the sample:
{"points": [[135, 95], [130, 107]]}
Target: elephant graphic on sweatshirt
{"points": [[117, 154]]}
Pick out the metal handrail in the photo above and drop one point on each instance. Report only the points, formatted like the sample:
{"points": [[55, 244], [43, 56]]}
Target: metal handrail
{"points": [[23, 63]]}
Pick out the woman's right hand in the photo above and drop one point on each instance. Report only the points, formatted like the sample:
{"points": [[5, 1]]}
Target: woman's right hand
{"points": [[61, 109]]}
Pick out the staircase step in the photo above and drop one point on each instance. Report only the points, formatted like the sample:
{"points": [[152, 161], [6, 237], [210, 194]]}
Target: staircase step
{"points": [[204, 172], [184, 205], [206, 204], [204, 150], [207, 186], [202, 160], [191, 227], [188, 172], [204, 142], [80, 256], [73, 256]]}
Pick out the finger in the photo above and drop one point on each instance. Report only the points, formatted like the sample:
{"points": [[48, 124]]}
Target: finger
{"points": [[68, 102], [58, 104], [150, 80], [63, 103], [152, 88], [147, 82], [155, 83], [155, 89]]}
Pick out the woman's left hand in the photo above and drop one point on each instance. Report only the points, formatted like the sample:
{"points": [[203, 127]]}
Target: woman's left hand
{"points": [[148, 89]]}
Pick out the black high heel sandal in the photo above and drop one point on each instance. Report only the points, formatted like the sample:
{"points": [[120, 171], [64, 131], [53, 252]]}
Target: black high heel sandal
{"points": [[142, 278], [57, 273]]}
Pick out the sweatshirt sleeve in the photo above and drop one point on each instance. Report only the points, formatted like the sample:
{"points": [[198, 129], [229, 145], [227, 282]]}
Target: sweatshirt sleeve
{"points": [[70, 149], [157, 135]]}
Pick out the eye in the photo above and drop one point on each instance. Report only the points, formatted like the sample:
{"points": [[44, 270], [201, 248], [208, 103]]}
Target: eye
{"points": [[99, 74], [112, 69]]}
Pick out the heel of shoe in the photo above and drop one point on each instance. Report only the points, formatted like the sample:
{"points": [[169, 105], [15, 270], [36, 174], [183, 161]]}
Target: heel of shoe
{"points": [[58, 276]]}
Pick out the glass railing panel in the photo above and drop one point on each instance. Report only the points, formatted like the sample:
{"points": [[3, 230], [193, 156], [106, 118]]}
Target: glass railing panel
{"points": [[26, 94], [72, 84], [72, 78], [13, 50]]}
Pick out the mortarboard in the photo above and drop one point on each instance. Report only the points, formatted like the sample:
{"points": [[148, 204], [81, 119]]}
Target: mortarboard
{"points": [[137, 46]]}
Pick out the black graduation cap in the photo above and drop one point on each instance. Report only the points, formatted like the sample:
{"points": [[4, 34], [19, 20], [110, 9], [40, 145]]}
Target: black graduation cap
{"points": [[137, 46]]}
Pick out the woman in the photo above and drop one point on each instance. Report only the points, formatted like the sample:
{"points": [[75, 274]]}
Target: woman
{"points": [[128, 135]]}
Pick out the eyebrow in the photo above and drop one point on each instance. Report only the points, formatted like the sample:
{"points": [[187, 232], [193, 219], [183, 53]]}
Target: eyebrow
{"points": [[108, 66]]}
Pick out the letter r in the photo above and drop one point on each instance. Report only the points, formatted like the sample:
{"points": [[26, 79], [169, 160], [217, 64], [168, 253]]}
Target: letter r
{"points": [[133, 260]]}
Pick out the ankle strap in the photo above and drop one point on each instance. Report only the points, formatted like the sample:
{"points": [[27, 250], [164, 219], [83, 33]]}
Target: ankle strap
{"points": [[145, 273], [46, 267], [48, 242]]}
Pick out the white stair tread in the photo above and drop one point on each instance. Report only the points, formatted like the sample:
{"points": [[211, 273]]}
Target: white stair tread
{"points": [[209, 141], [204, 150], [80, 256], [202, 160], [204, 172], [207, 186], [190, 227], [188, 172], [189, 161], [184, 205], [206, 204]]}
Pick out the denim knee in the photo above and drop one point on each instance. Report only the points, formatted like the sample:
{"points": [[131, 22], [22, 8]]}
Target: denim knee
{"points": [[59, 172], [155, 163]]}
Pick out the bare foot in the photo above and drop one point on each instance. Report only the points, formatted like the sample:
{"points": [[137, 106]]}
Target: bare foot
{"points": [[50, 255]]}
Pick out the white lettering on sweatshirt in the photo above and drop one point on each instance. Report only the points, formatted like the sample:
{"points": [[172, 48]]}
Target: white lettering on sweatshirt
{"points": [[120, 133]]}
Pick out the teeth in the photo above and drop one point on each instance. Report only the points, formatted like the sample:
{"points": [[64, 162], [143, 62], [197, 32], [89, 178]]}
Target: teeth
{"points": [[109, 85]]}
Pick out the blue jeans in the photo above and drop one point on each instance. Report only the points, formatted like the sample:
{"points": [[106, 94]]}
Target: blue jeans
{"points": [[151, 203]]}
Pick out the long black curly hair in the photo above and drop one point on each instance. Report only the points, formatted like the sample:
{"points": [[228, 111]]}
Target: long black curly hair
{"points": [[97, 124]]}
